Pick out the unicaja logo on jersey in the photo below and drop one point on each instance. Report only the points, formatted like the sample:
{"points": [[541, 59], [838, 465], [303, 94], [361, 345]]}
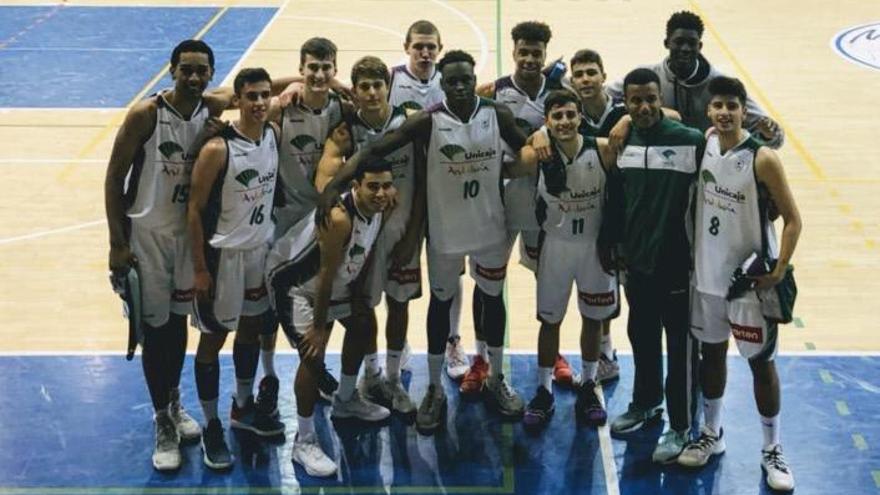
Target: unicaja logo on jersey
{"points": [[169, 148], [300, 142], [667, 155], [451, 151], [411, 105], [524, 125], [246, 176], [707, 177]]}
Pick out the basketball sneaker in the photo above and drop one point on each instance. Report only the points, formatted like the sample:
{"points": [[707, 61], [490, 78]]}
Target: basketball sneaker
{"points": [[588, 408], [376, 389], [501, 397], [432, 410], [608, 368], [400, 400], [670, 446], [472, 383], [252, 419], [166, 455], [357, 407], [267, 395], [308, 454], [540, 410], [562, 373], [216, 453], [327, 385], [773, 463], [698, 452], [634, 418], [187, 427], [457, 364]]}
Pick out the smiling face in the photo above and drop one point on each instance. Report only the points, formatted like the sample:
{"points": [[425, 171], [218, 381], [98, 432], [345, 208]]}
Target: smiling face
{"points": [[563, 121], [726, 113], [253, 101], [684, 46], [529, 57], [643, 103], [192, 73], [317, 73], [374, 191], [588, 80]]}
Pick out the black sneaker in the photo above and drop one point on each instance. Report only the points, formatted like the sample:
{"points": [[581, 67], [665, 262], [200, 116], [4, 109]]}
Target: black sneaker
{"points": [[250, 419], [267, 396], [327, 385], [540, 410], [216, 453], [588, 408]]}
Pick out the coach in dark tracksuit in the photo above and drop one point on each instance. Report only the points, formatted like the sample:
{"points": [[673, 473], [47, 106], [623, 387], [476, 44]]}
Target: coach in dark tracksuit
{"points": [[657, 167]]}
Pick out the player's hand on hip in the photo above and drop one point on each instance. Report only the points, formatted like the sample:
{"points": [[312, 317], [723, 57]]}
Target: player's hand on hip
{"points": [[121, 258], [203, 285]]}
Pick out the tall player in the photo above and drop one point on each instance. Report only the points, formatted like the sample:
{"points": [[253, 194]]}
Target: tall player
{"points": [[570, 204], [739, 175], [396, 274], [416, 86], [462, 176], [305, 124], [316, 273], [230, 228], [158, 142]]}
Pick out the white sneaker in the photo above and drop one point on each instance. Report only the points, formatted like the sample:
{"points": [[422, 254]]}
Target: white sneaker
{"points": [[400, 399], [779, 475], [405, 356], [308, 454], [457, 363], [698, 452], [670, 446], [166, 456], [187, 427], [358, 407]]}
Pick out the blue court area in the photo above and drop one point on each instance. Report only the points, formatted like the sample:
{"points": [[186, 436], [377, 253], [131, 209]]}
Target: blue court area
{"points": [[82, 425], [93, 57]]}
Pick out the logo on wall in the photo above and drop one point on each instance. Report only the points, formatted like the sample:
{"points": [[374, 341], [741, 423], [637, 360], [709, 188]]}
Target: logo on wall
{"points": [[859, 44]]}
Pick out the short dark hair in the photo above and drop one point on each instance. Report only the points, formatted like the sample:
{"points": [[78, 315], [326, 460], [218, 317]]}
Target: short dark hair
{"points": [[372, 67], [684, 20], [586, 56], [454, 56], [560, 97], [250, 76], [728, 86], [531, 31], [421, 27], [375, 167], [320, 48], [639, 77], [193, 46]]}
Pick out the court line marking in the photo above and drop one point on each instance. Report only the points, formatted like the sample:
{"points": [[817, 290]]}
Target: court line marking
{"points": [[36, 22], [44, 233], [230, 77], [859, 442], [120, 116], [842, 408], [484, 41], [612, 483]]}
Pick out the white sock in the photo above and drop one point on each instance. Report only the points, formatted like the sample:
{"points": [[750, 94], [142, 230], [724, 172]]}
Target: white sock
{"points": [[483, 350], [268, 360], [371, 364], [455, 312], [209, 409], [770, 427], [545, 378], [496, 359], [306, 427], [712, 413], [347, 384], [392, 365], [435, 367], [589, 370], [244, 388], [606, 348]]}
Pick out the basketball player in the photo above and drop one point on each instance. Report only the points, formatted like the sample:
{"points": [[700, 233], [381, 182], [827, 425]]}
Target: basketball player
{"points": [[463, 137], [230, 228], [571, 196], [305, 125], [157, 144], [316, 274], [396, 275], [659, 163], [685, 74], [739, 174]]}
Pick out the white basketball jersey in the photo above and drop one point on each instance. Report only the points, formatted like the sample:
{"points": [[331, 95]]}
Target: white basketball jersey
{"points": [[728, 217], [465, 211], [247, 191], [571, 194], [161, 172], [519, 194], [401, 166], [411, 93], [296, 255], [303, 133]]}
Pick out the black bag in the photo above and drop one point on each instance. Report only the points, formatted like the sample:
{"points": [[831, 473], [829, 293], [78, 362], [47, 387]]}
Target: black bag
{"points": [[777, 302]]}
